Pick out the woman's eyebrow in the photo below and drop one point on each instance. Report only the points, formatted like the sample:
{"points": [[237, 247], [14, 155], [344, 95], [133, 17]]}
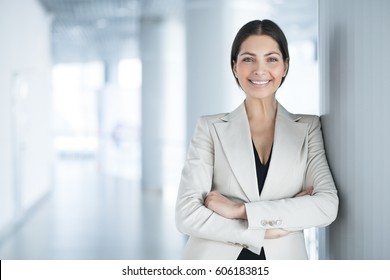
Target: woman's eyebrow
{"points": [[271, 53], [248, 53], [268, 54]]}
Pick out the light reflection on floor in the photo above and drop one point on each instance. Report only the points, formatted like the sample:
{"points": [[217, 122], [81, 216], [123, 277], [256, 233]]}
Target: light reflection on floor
{"points": [[89, 216]]}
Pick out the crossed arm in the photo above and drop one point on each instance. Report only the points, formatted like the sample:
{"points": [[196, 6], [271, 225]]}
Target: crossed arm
{"points": [[235, 210]]}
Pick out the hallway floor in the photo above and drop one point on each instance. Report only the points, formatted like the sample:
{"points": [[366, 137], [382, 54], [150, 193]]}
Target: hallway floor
{"points": [[88, 216]]}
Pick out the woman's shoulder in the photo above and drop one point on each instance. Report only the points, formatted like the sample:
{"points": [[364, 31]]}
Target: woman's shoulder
{"points": [[313, 121], [238, 112], [297, 117], [213, 117], [307, 118]]}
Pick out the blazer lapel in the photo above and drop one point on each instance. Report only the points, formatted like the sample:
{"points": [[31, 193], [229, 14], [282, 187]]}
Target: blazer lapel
{"points": [[289, 138], [234, 135]]}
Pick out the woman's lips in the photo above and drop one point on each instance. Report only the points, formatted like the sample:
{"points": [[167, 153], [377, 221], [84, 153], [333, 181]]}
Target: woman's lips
{"points": [[260, 83]]}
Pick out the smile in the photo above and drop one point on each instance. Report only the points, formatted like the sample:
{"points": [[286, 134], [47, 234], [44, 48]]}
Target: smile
{"points": [[260, 83]]}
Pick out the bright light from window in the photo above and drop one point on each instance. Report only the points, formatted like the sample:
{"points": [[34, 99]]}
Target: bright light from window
{"points": [[130, 73], [75, 87]]}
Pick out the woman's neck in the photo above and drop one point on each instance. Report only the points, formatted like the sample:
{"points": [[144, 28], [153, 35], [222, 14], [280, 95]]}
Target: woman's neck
{"points": [[261, 109]]}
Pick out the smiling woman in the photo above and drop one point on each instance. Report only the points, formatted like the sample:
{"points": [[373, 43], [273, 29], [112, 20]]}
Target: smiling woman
{"points": [[255, 178], [259, 73]]}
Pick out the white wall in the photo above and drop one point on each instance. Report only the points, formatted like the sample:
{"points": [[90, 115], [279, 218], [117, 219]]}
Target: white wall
{"points": [[354, 74], [25, 102]]}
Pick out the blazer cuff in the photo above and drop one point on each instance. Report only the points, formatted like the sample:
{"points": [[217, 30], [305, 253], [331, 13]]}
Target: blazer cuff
{"points": [[251, 239], [256, 221]]}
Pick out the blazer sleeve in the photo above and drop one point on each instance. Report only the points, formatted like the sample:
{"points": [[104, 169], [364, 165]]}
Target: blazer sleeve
{"points": [[192, 217], [319, 209]]}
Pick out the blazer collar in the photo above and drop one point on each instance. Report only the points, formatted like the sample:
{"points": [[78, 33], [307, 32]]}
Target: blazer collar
{"points": [[234, 135]]}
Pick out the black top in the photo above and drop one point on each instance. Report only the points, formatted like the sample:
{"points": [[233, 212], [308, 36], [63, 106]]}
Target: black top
{"points": [[261, 172]]}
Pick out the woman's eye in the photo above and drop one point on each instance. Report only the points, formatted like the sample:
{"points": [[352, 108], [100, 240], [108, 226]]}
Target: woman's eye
{"points": [[272, 59], [247, 59]]}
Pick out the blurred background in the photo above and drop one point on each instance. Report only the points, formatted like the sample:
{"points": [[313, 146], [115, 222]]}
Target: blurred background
{"points": [[98, 101]]}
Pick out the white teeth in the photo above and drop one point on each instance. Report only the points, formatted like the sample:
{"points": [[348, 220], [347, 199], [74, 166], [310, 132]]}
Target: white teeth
{"points": [[260, 82]]}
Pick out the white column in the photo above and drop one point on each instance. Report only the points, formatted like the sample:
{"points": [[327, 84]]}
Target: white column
{"points": [[163, 95], [152, 102], [354, 68]]}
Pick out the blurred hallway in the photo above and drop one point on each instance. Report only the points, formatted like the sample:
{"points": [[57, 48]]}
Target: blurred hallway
{"points": [[98, 100], [96, 114], [89, 216]]}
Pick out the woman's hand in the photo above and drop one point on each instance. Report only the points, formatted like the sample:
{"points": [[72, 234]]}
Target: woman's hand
{"points": [[275, 233], [224, 206], [308, 191]]}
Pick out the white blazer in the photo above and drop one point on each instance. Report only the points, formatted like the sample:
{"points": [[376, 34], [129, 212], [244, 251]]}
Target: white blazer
{"points": [[221, 158]]}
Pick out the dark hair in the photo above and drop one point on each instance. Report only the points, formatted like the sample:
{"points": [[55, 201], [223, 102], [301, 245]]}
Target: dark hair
{"points": [[259, 27]]}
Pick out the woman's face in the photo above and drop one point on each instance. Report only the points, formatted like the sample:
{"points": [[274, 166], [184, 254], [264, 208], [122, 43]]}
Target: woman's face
{"points": [[260, 67]]}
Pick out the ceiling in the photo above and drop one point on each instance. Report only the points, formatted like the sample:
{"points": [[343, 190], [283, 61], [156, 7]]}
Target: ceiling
{"points": [[85, 30], [90, 29]]}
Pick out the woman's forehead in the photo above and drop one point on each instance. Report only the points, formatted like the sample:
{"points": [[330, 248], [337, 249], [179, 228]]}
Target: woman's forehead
{"points": [[259, 43]]}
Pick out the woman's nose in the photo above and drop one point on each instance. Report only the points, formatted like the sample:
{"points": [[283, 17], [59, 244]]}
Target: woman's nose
{"points": [[260, 69]]}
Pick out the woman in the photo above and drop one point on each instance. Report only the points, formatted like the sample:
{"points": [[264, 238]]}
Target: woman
{"points": [[255, 178]]}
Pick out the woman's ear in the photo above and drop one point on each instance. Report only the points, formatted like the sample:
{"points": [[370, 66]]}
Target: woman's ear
{"points": [[235, 69], [286, 68]]}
